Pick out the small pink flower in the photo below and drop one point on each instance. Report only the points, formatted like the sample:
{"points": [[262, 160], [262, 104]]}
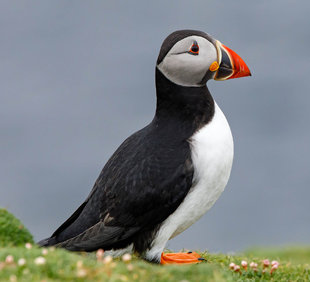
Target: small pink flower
{"points": [[108, 259], [99, 254], [266, 263], [274, 267], [237, 268], [28, 246], [275, 262], [126, 257], [40, 261], [253, 264], [81, 272], [44, 252], [21, 262], [9, 259], [244, 264], [231, 266]]}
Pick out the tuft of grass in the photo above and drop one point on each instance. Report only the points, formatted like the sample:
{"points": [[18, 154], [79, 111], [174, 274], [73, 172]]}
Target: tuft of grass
{"points": [[12, 231], [290, 254]]}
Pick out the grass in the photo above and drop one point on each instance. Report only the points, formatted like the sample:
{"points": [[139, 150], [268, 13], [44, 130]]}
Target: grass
{"points": [[59, 265], [12, 231], [289, 254]]}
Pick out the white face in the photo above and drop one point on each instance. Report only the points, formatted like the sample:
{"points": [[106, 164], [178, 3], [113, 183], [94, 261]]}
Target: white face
{"points": [[185, 68]]}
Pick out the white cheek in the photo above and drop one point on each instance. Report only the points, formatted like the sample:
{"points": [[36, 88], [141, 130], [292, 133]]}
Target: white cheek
{"points": [[183, 70], [186, 69]]}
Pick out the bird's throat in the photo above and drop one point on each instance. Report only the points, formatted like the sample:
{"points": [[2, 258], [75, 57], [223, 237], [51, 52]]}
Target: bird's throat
{"points": [[192, 105]]}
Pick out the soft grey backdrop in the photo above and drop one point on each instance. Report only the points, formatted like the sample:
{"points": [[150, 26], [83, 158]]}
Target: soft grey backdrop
{"points": [[77, 77]]}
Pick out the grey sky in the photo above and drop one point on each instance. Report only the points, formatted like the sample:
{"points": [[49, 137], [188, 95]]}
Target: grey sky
{"points": [[77, 77]]}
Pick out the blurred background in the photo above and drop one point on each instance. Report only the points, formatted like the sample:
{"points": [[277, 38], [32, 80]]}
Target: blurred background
{"points": [[77, 78]]}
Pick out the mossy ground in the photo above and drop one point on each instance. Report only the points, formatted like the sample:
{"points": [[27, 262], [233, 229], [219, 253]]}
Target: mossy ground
{"points": [[12, 231], [60, 265]]}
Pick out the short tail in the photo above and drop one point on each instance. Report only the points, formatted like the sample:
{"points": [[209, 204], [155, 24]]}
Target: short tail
{"points": [[47, 242]]}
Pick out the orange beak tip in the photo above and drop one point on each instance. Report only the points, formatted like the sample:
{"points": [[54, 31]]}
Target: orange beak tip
{"points": [[239, 66]]}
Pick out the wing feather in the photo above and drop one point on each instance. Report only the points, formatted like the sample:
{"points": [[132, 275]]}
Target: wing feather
{"points": [[144, 181]]}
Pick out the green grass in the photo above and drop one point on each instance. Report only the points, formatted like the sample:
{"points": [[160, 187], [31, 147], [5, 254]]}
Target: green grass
{"points": [[12, 231], [289, 254], [61, 265]]}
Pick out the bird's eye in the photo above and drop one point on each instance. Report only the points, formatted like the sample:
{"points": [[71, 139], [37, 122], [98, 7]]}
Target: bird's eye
{"points": [[194, 49]]}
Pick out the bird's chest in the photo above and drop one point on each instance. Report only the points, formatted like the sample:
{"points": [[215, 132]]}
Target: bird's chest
{"points": [[212, 156]]}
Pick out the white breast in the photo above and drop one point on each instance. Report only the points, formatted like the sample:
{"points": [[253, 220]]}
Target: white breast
{"points": [[212, 156]]}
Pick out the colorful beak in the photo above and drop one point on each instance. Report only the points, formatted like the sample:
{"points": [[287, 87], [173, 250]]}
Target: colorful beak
{"points": [[231, 64]]}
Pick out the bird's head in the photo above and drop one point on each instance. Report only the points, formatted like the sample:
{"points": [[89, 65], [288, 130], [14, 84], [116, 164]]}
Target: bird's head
{"points": [[191, 58]]}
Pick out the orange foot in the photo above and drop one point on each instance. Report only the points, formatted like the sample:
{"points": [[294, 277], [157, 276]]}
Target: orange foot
{"points": [[180, 258]]}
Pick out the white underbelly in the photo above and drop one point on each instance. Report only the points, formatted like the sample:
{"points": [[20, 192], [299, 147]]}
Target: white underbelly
{"points": [[212, 157]]}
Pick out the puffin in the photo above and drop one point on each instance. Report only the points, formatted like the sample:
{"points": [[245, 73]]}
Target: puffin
{"points": [[166, 176]]}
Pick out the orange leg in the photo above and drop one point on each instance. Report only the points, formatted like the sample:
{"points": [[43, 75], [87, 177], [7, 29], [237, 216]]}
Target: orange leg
{"points": [[180, 258]]}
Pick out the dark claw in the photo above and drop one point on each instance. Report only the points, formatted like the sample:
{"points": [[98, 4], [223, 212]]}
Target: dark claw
{"points": [[201, 259], [189, 252]]}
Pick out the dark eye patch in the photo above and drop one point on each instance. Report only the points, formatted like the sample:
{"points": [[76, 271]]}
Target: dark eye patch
{"points": [[194, 50]]}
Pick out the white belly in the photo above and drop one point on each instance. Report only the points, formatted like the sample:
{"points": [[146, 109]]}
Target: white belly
{"points": [[212, 156]]}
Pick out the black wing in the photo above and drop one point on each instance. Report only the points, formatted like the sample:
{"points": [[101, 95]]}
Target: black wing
{"points": [[144, 181]]}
